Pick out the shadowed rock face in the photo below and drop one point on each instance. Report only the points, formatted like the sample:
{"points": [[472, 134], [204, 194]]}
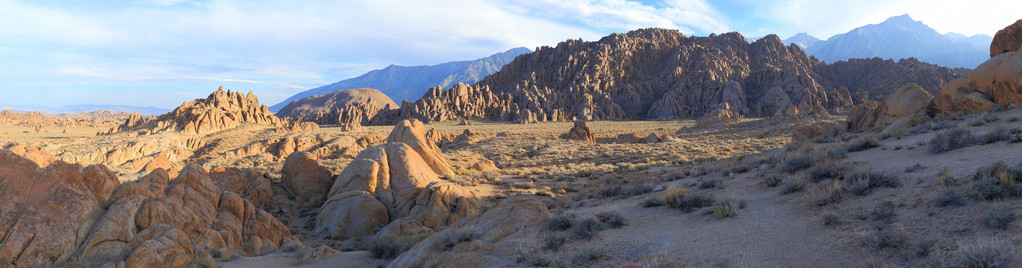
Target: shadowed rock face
{"points": [[657, 74], [74, 214]]}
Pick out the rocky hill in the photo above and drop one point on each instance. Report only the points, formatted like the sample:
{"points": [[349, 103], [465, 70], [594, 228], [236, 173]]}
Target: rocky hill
{"points": [[897, 38], [663, 74], [334, 107], [410, 82], [221, 110]]}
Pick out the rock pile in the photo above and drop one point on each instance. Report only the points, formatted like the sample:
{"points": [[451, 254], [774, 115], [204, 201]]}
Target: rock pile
{"points": [[895, 110], [350, 108], [998, 81], [386, 183], [75, 214]]}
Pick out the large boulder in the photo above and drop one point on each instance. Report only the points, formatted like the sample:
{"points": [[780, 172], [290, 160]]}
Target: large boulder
{"points": [[391, 181], [863, 116], [907, 100], [304, 178], [1007, 40], [722, 115], [998, 81], [497, 235]]}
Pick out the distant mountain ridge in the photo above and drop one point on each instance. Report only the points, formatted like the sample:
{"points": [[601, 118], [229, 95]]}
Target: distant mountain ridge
{"points": [[410, 82], [72, 109], [803, 40], [899, 37]]}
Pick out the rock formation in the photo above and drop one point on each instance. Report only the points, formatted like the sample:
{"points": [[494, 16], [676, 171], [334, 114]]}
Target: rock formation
{"points": [[499, 232], [997, 81], [580, 132], [305, 179], [221, 110], [391, 181], [723, 115], [84, 215], [663, 74], [1007, 40], [904, 102], [344, 107]]}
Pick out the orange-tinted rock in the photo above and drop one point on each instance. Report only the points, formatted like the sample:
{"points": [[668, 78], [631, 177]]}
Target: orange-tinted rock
{"points": [[723, 115], [159, 246], [413, 133], [998, 81], [304, 178], [219, 111], [1007, 40], [863, 116], [580, 132], [823, 129]]}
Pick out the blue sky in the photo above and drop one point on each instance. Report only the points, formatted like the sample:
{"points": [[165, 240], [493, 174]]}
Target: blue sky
{"points": [[164, 52]]}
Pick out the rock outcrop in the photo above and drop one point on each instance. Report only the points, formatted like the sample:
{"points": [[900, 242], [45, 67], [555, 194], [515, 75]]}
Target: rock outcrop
{"points": [[723, 115], [497, 234], [997, 81], [219, 111], [304, 178], [580, 132], [391, 181], [75, 214], [350, 108], [1007, 40], [904, 102]]}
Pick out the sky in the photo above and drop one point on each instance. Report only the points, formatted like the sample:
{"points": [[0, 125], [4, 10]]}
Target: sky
{"points": [[161, 53]]}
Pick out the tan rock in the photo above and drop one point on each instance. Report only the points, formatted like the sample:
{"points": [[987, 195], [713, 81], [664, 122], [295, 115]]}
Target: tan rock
{"points": [[580, 132], [304, 178], [159, 246], [483, 165], [998, 81], [823, 129], [907, 100], [413, 133], [1007, 40], [113, 232], [159, 161], [722, 115], [863, 116], [499, 230], [351, 214]]}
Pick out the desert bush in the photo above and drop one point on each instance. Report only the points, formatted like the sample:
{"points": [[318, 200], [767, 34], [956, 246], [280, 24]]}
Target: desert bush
{"points": [[863, 182], [773, 180], [828, 170], [553, 242], [560, 222], [387, 247], [587, 228], [688, 202], [612, 219], [883, 213], [798, 162], [822, 195], [709, 184], [793, 185], [998, 216], [463, 235], [985, 254], [726, 209], [999, 134], [886, 238], [949, 198], [950, 139], [831, 218], [997, 180], [589, 254], [862, 144]]}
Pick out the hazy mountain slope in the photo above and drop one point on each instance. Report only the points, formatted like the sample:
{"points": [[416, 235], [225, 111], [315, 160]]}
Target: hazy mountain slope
{"points": [[410, 82], [803, 40], [147, 110], [897, 38], [325, 109], [980, 41]]}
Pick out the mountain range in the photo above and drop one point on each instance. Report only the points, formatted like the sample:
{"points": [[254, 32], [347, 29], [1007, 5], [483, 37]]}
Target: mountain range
{"points": [[142, 110], [898, 37], [410, 82]]}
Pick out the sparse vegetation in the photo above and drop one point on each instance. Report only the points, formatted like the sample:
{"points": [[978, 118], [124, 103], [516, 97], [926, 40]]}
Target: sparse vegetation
{"points": [[862, 144], [560, 222], [463, 235], [773, 180], [587, 228], [831, 218], [998, 216], [386, 247], [553, 242], [948, 140], [985, 254], [997, 180], [884, 213], [863, 182], [798, 162], [612, 219], [949, 198], [886, 238]]}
